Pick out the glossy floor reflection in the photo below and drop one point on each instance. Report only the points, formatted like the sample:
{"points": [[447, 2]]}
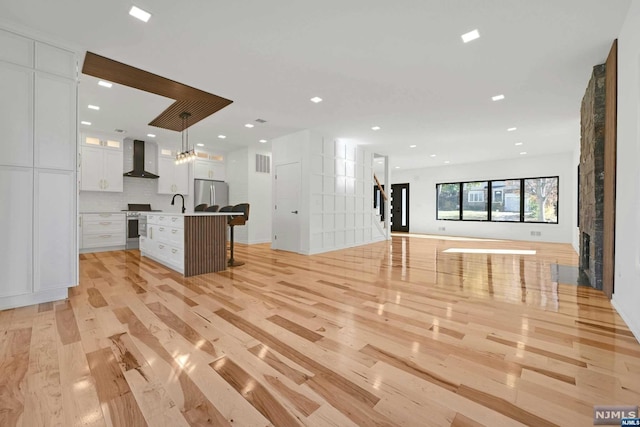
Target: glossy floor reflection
{"points": [[394, 333]]}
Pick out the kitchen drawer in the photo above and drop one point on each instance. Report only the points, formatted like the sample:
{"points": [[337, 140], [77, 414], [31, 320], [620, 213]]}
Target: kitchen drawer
{"points": [[102, 240], [97, 217], [175, 221], [161, 233], [176, 237], [176, 257], [104, 227], [153, 219]]}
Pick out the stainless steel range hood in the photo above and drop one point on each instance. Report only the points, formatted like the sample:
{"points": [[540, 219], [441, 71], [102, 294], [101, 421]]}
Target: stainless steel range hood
{"points": [[138, 163]]}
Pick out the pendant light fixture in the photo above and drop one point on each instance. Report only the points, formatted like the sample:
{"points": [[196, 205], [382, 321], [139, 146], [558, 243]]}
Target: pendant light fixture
{"points": [[186, 154]]}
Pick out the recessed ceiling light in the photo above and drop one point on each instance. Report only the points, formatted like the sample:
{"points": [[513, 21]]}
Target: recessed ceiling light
{"points": [[200, 145], [432, 155], [518, 143], [397, 167], [316, 99], [471, 35], [413, 146], [497, 98], [379, 161], [375, 128], [447, 162], [248, 125], [105, 84], [511, 129], [523, 153], [93, 107], [263, 141], [142, 15], [85, 123], [150, 135], [221, 136]]}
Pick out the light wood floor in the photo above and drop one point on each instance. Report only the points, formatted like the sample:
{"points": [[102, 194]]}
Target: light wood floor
{"points": [[385, 334]]}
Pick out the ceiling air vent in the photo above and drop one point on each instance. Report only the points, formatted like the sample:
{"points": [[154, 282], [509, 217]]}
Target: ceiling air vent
{"points": [[263, 163], [120, 130], [261, 121]]}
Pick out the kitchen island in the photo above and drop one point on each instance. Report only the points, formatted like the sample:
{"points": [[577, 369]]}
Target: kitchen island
{"points": [[190, 243]]}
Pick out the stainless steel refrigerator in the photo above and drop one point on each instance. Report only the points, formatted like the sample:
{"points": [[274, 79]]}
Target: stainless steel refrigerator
{"points": [[210, 192]]}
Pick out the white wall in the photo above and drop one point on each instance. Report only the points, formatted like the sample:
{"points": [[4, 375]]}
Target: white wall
{"points": [[336, 203], [260, 194], [422, 197], [627, 251], [247, 185]]}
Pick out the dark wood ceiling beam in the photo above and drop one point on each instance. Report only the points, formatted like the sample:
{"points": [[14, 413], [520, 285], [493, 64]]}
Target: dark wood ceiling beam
{"points": [[198, 103]]}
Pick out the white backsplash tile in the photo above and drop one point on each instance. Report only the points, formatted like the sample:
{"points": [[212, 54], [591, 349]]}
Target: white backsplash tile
{"points": [[136, 190]]}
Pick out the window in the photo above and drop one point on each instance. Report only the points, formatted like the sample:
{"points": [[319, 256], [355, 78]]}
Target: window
{"points": [[541, 200], [476, 196], [475, 205], [505, 205], [509, 200], [448, 203]]}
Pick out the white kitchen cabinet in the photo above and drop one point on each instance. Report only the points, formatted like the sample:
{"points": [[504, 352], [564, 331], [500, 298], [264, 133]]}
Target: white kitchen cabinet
{"points": [[101, 164], [209, 169], [55, 129], [16, 144], [16, 232], [103, 231], [173, 178], [165, 240], [54, 229]]}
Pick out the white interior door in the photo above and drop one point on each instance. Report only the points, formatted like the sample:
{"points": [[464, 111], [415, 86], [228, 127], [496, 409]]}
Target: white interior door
{"points": [[286, 218]]}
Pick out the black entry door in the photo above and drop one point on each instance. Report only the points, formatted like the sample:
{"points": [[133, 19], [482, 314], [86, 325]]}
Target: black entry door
{"points": [[400, 207]]}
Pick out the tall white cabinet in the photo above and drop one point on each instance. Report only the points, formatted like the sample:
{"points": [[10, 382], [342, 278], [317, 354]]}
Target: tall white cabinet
{"points": [[38, 237]]}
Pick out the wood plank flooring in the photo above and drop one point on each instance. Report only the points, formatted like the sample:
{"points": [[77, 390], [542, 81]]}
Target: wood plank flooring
{"points": [[394, 333]]}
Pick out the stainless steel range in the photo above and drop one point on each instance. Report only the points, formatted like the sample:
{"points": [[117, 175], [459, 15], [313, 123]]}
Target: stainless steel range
{"points": [[136, 223]]}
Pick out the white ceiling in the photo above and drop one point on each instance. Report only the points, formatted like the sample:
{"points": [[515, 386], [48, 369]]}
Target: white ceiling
{"points": [[400, 65]]}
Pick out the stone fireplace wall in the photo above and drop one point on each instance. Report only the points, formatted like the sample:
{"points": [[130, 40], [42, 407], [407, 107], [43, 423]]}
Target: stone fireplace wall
{"points": [[591, 208]]}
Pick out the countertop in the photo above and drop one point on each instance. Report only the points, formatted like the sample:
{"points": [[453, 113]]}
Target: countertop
{"points": [[193, 213]]}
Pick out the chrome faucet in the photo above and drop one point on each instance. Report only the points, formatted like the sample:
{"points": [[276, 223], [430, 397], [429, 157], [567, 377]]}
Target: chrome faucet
{"points": [[173, 200]]}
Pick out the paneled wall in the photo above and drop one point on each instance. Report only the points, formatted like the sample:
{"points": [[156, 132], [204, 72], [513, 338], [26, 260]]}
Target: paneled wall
{"points": [[341, 195], [336, 196]]}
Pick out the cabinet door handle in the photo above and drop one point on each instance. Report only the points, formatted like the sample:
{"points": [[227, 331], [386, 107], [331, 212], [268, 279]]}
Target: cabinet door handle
{"points": [[80, 220], [161, 246], [106, 236], [173, 219], [174, 250], [151, 233], [105, 223], [161, 228], [106, 184], [174, 231], [161, 218]]}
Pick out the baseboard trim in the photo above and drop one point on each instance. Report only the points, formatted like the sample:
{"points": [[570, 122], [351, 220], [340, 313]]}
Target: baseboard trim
{"points": [[34, 298], [632, 327]]}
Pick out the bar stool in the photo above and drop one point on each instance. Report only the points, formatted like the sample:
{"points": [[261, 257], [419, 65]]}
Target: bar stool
{"points": [[201, 208], [213, 208], [241, 219]]}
